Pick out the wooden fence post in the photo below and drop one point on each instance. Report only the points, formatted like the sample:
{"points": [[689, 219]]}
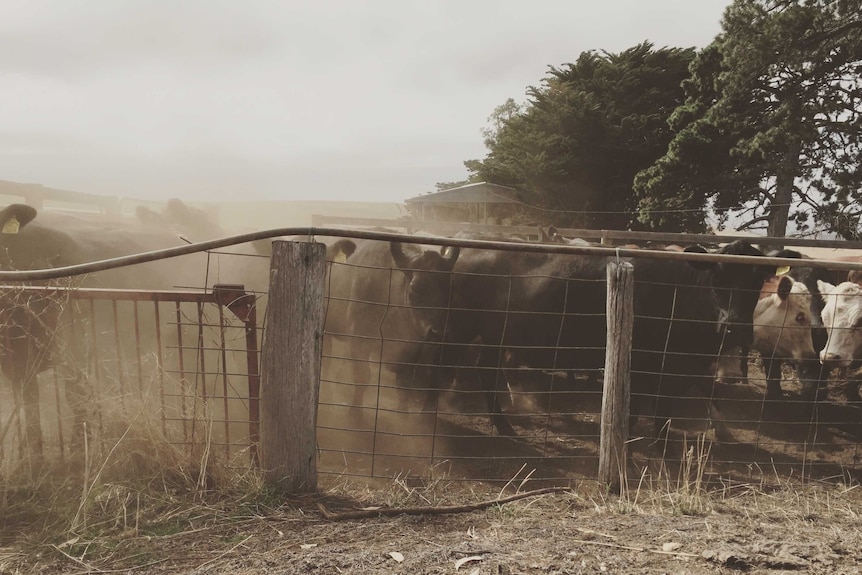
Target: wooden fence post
{"points": [[615, 397], [290, 365]]}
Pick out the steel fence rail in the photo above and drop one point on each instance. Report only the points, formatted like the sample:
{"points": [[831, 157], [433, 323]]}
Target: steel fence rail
{"points": [[312, 232]]}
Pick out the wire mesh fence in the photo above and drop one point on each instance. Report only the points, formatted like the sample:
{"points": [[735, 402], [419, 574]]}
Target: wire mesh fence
{"points": [[179, 364], [478, 363], [410, 388]]}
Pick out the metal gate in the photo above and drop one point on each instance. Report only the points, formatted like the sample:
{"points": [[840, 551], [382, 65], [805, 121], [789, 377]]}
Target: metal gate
{"points": [[186, 361]]}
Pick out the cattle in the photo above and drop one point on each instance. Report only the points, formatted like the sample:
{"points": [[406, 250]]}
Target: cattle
{"points": [[813, 374], [783, 334], [841, 317], [37, 333], [548, 312], [370, 318], [552, 235]]}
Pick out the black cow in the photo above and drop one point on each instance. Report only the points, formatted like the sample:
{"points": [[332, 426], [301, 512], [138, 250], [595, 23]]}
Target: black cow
{"points": [[548, 312], [369, 315]]}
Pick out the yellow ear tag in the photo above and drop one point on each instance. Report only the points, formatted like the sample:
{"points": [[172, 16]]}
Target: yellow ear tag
{"points": [[11, 226], [782, 270], [341, 258]]}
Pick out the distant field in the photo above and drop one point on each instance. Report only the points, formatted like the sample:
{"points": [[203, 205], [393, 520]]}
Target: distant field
{"points": [[240, 216], [233, 216]]}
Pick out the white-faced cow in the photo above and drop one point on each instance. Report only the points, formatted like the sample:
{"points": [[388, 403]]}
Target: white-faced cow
{"points": [[794, 350], [842, 318], [783, 334]]}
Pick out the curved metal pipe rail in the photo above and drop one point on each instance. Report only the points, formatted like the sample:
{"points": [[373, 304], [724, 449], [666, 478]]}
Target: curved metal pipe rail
{"points": [[310, 232]]}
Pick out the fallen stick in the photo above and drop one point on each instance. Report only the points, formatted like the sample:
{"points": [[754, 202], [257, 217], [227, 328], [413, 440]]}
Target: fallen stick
{"points": [[444, 510], [641, 549]]}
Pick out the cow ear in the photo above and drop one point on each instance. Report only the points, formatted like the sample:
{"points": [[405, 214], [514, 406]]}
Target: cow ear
{"points": [[785, 254], [450, 256], [700, 266], [345, 246], [15, 217], [825, 288], [784, 286], [340, 251], [402, 260]]}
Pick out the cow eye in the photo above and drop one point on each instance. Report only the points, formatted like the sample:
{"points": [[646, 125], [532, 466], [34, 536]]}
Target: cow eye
{"points": [[801, 319]]}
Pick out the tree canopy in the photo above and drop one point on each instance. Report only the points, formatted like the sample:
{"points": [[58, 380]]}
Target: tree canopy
{"points": [[770, 129], [584, 133], [760, 129]]}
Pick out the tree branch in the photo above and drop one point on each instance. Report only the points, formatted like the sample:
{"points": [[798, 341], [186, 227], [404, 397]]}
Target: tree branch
{"points": [[750, 223], [391, 512], [829, 34]]}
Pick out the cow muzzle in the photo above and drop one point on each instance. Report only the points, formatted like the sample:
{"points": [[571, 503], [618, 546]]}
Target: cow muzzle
{"points": [[832, 359]]}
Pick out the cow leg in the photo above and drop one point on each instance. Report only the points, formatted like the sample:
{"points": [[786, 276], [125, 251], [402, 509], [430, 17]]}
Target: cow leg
{"points": [[772, 367], [32, 416], [489, 376], [361, 377], [851, 390], [732, 368], [428, 373], [495, 413]]}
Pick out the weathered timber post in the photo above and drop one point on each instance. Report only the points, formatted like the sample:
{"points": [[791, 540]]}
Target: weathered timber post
{"points": [[615, 397], [290, 365]]}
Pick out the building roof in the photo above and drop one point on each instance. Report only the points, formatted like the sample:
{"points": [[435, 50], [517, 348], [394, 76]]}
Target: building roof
{"points": [[481, 192]]}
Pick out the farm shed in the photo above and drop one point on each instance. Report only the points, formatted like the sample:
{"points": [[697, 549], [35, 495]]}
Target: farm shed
{"points": [[479, 203]]}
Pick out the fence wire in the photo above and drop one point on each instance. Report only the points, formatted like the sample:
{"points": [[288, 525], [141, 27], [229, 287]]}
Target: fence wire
{"points": [[385, 412], [397, 401], [173, 365]]}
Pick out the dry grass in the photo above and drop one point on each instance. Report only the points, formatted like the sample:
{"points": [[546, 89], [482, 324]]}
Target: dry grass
{"points": [[129, 482], [129, 499], [138, 502]]}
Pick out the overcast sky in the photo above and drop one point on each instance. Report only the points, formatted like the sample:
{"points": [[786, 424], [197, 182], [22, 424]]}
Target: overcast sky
{"points": [[294, 100]]}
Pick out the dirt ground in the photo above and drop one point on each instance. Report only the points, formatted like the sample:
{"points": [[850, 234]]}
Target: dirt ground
{"points": [[812, 529], [731, 503]]}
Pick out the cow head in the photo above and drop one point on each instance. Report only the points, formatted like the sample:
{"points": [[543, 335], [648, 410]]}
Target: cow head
{"points": [[553, 236], [782, 320], [735, 289], [340, 250], [15, 216], [428, 280], [24, 245], [842, 318]]}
